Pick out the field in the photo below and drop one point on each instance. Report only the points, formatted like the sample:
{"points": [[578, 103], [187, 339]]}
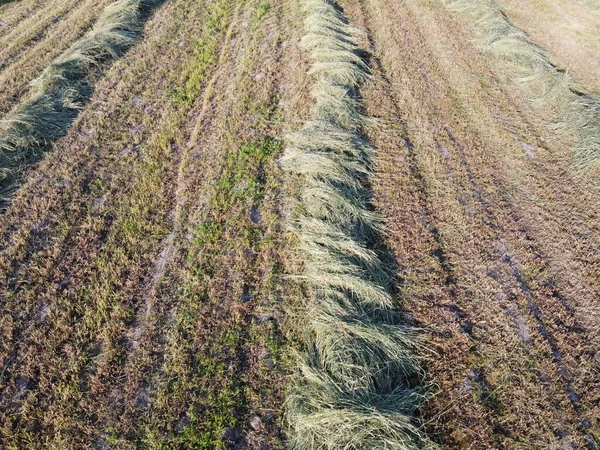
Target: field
{"points": [[302, 224], [569, 30], [33, 34]]}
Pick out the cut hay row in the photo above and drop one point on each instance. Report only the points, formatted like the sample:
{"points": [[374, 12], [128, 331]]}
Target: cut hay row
{"points": [[63, 87], [577, 111], [33, 50], [357, 385]]}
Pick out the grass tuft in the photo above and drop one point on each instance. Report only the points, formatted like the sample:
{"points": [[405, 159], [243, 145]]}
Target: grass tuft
{"points": [[357, 385], [578, 111]]}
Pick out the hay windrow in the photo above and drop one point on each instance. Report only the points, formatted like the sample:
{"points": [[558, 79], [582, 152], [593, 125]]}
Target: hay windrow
{"points": [[577, 111], [357, 385], [60, 92]]}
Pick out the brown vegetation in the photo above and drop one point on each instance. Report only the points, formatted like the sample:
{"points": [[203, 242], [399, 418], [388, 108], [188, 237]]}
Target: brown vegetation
{"points": [[142, 296], [568, 29], [497, 241], [138, 275], [27, 46]]}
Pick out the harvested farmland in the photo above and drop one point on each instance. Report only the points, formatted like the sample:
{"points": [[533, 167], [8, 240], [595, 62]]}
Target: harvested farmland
{"points": [[64, 85], [577, 111], [298, 224], [33, 43]]}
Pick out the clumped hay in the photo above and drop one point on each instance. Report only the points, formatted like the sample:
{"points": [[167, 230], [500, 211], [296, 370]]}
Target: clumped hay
{"points": [[357, 385], [578, 111], [62, 88]]}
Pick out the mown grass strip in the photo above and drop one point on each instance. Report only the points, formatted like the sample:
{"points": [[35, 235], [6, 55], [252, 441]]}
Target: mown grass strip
{"points": [[357, 385], [61, 90], [96, 312], [203, 369], [578, 111], [204, 387]]}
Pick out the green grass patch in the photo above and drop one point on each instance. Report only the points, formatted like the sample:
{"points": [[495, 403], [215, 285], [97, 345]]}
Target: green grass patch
{"points": [[193, 79], [199, 372], [244, 173], [262, 9]]}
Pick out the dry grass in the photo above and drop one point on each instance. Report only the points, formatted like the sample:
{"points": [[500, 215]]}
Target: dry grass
{"points": [[494, 238], [578, 111], [139, 276], [566, 29], [28, 24], [62, 88], [356, 383], [32, 50], [185, 359], [592, 5]]}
